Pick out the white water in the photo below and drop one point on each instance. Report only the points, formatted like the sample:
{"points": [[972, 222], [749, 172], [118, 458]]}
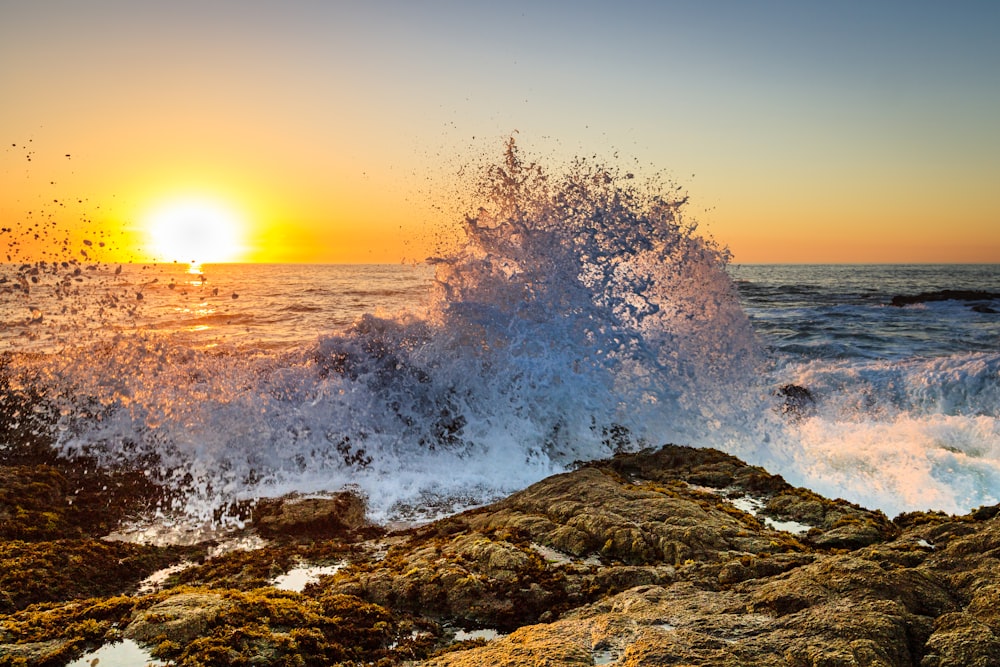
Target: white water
{"points": [[583, 314]]}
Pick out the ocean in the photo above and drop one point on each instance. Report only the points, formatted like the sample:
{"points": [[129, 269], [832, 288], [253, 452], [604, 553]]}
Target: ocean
{"points": [[579, 319]]}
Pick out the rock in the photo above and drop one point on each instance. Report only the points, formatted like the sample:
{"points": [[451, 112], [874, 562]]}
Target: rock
{"points": [[797, 402], [43, 497], [532, 645], [596, 511], [961, 642], [642, 559], [853, 577], [901, 300], [779, 500], [35, 653], [33, 572], [178, 619], [341, 515], [852, 535]]}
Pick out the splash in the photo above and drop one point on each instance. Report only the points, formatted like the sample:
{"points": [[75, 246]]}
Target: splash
{"points": [[583, 315], [917, 434]]}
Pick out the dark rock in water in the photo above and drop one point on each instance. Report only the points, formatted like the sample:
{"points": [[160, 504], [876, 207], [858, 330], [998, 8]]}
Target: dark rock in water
{"points": [[982, 308], [797, 401], [901, 300]]}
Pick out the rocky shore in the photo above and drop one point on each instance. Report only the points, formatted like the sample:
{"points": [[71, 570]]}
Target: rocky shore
{"points": [[675, 556]]}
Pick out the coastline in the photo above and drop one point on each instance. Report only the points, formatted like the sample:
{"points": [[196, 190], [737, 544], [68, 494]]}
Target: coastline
{"points": [[641, 559]]}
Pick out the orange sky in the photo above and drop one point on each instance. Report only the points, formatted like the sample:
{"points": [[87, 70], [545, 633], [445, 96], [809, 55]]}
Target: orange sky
{"points": [[802, 134]]}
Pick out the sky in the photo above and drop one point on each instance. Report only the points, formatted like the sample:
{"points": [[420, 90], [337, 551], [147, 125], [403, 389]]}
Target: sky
{"points": [[802, 131]]}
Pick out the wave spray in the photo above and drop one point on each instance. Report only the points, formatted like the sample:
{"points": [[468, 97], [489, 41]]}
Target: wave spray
{"points": [[582, 315]]}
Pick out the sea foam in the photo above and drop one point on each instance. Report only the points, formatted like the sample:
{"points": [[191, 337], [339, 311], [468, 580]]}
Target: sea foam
{"points": [[583, 315]]}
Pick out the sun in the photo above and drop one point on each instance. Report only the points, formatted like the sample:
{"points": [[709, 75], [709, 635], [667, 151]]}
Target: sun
{"points": [[199, 231]]}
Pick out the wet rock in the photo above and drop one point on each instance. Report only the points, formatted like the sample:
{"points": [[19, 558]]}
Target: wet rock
{"points": [[32, 572], [482, 581], [178, 619], [564, 645], [265, 627], [246, 570], [644, 559], [43, 497], [632, 521], [682, 624], [850, 535], [901, 300], [35, 653], [855, 578], [959, 641], [796, 401], [597, 511], [341, 515], [34, 503], [54, 633]]}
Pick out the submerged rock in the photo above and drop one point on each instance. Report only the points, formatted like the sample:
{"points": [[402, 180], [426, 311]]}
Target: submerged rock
{"points": [[796, 401], [901, 300]]}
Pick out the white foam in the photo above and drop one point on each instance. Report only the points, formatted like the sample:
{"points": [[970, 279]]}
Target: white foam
{"points": [[154, 582], [753, 506], [582, 306], [489, 634], [557, 557], [582, 302], [905, 463]]}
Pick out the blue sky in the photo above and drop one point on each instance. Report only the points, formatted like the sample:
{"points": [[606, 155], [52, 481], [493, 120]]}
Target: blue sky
{"points": [[804, 131]]}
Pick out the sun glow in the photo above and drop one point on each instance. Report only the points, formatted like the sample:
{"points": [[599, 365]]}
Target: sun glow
{"points": [[198, 231]]}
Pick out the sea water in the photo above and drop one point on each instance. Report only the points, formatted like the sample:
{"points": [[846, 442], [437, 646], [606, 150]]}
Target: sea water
{"points": [[583, 315], [906, 398]]}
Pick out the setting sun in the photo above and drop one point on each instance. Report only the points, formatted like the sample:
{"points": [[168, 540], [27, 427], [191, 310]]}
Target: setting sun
{"points": [[196, 231]]}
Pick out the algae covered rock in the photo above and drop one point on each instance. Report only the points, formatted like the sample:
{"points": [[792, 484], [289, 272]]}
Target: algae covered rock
{"points": [[35, 653], [61, 570], [476, 578], [340, 515], [959, 641], [34, 503], [557, 644], [179, 619], [597, 511], [662, 557]]}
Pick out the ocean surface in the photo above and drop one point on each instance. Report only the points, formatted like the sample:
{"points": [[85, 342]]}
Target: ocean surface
{"points": [[579, 319]]}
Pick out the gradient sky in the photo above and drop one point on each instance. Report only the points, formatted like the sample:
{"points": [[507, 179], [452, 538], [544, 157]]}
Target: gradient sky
{"points": [[802, 131]]}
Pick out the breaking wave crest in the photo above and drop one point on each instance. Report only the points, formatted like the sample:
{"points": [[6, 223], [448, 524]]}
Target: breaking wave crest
{"points": [[582, 315]]}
